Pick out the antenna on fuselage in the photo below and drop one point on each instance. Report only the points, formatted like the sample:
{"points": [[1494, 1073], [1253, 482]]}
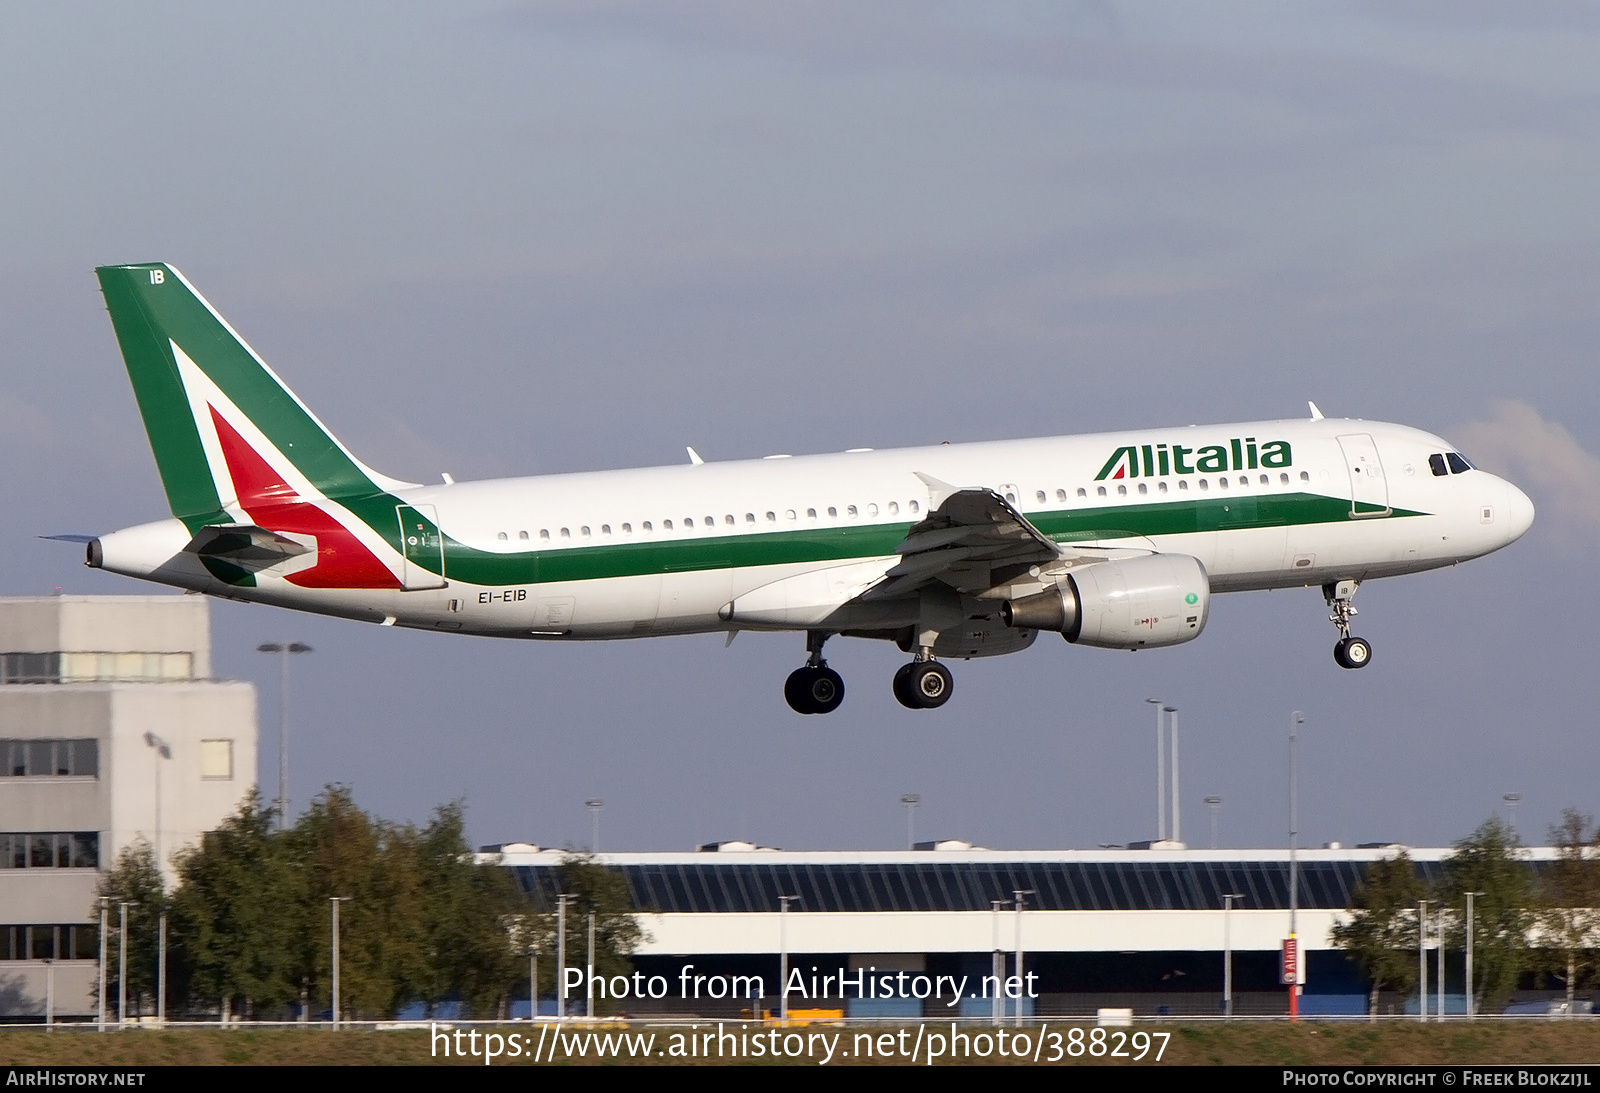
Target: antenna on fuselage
{"points": [[694, 457], [1316, 414]]}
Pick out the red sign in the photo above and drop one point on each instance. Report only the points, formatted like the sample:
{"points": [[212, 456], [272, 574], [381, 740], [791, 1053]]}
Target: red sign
{"points": [[1290, 971]]}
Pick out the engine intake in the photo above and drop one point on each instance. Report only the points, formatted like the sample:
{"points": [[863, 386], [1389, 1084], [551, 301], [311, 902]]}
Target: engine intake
{"points": [[1140, 603]]}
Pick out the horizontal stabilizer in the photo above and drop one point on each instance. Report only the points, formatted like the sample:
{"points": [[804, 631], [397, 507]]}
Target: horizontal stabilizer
{"points": [[246, 546]]}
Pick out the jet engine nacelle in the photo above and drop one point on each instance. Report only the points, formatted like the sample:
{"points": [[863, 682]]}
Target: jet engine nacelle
{"points": [[1139, 603]]}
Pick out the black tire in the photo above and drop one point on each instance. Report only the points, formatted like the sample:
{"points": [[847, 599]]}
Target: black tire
{"points": [[797, 690], [930, 683], [1353, 653], [902, 688], [825, 690]]}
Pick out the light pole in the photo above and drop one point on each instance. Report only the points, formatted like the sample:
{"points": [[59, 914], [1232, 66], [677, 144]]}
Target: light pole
{"points": [[1512, 800], [161, 974], [1472, 1005], [163, 750], [783, 958], [998, 966], [1019, 894], [910, 800], [594, 805], [588, 986], [122, 964], [50, 994], [1172, 727], [1227, 953], [1161, 774], [100, 1012], [335, 901], [562, 899], [1214, 803], [1296, 719], [283, 649], [1422, 960]]}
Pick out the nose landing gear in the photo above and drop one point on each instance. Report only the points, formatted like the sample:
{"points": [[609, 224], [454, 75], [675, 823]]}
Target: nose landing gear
{"points": [[815, 688], [1348, 652]]}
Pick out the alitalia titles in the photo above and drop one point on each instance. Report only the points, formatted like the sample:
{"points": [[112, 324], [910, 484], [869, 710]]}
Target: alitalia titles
{"points": [[1159, 460]]}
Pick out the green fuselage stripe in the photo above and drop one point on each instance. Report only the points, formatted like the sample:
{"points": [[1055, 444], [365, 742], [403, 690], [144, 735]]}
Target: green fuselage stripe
{"points": [[640, 556]]}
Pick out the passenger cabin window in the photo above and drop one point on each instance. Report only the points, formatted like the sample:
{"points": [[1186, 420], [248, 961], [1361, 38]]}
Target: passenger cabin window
{"points": [[788, 514], [566, 533], [1458, 463], [1161, 487], [586, 531], [894, 508], [1284, 478], [1305, 476], [544, 533], [1222, 483], [914, 508], [605, 529], [522, 535], [1122, 491], [1082, 492], [501, 536], [627, 529], [1204, 485], [833, 513], [1061, 495], [1101, 490], [666, 525], [1143, 488], [646, 527]]}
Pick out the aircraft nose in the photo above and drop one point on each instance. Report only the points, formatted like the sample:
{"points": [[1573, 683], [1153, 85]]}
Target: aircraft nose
{"points": [[1519, 512]]}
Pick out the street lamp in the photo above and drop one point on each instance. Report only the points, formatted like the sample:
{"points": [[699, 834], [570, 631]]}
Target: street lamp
{"points": [[910, 800], [1019, 894], [1227, 953], [783, 958], [594, 805], [1422, 959], [1296, 719], [998, 965], [1512, 800], [562, 899], [335, 901], [1214, 803], [1472, 1009], [1161, 774], [283, 649], [1172, 722]]}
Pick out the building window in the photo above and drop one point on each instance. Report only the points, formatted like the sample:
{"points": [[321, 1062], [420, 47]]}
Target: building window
{"points": [[49, 849], [216, 760], [50, 758], [49, 942]]}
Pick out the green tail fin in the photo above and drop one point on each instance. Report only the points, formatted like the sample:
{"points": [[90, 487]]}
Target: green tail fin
{"points": [[184, 359]]}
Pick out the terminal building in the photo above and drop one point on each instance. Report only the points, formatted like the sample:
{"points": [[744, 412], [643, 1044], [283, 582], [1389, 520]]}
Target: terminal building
{"points": [[1141, 929], [112, 729]]}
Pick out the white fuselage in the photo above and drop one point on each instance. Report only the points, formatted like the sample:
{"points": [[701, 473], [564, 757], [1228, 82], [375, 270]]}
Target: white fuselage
{"points": [[635, 553]]}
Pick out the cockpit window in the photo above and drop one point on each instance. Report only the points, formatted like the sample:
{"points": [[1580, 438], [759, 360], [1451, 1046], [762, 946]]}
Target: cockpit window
{"points": [[1458, 462], [1436, 461]]}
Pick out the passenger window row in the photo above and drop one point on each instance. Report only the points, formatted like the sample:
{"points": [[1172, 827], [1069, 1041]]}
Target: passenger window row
{"points": [[770, 518]]}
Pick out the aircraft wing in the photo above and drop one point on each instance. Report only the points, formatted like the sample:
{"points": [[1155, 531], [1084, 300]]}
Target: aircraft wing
{"points": [[974, 539]]}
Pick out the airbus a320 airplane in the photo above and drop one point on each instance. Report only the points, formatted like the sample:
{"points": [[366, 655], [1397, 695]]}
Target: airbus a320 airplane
{"points": [[1116, 541]]}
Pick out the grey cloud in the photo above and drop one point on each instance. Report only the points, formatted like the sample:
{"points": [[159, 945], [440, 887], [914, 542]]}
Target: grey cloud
{"points": [[1081, 43], [1560, 474]]}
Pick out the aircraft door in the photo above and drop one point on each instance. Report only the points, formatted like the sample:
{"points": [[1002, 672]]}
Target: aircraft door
{"points": [[422, 544], [1369, 490]]}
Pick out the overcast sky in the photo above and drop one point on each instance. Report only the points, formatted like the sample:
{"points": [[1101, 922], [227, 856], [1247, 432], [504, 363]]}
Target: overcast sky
{"points": [[502, 238]]}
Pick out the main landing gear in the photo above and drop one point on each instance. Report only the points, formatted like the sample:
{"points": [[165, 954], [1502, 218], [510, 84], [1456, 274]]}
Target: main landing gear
{"points": [[816, 688], [924, 684], [1348, 652]]}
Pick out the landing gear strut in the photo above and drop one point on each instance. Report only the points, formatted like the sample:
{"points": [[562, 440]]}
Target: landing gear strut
{"points": [[816, 688], [924, 684], [1349, 652]]}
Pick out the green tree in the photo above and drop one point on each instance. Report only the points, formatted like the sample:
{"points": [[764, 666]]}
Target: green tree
{"points": [[1490, 862], [135, 881], [373, 868], [1380, 928], [236, 913], [478, 924], [1568, 918]]}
